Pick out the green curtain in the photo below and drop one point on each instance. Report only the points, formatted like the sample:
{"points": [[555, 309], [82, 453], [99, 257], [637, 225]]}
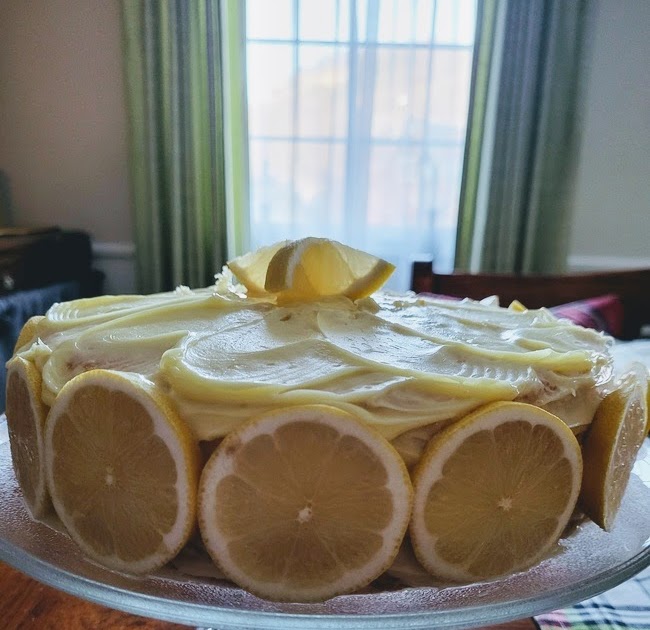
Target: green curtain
{"points": [[523, 135], [174, 65]]}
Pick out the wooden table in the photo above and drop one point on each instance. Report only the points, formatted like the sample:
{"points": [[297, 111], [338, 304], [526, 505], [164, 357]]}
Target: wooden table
{"points": [[27, 604]]}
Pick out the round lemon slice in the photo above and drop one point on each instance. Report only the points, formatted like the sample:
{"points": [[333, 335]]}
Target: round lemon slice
{"points": [[122, 470], [611, 445], [494, 492], [313, 268], [25, 421], [303, 504]]}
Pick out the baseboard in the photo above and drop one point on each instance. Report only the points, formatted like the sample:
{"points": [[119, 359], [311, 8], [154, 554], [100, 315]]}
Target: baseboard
{"points": [[117, 261], [113, 249], [597, 263]]}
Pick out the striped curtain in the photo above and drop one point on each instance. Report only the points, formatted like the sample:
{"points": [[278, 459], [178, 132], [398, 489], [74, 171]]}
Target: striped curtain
{"points": [[180, 155], [523, 136]]}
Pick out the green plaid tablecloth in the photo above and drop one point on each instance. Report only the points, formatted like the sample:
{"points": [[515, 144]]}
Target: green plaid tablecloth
{"points": [[625, 607]]}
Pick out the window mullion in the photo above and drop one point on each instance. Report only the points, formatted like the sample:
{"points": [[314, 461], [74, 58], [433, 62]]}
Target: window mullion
{"points": [[426, 133], [331, 143], [295, 105], [350, 157], [360, 125]]}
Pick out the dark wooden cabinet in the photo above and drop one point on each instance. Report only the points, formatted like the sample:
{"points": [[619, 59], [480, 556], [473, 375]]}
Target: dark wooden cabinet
{"points": [[31, 258]]}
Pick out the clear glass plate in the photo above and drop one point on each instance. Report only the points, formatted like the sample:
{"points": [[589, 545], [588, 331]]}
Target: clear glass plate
{"points": [[588, 562]]}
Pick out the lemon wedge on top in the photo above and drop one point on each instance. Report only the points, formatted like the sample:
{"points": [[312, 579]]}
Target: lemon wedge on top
{"points": [[313, 268], [250, 268], [310, 269]]}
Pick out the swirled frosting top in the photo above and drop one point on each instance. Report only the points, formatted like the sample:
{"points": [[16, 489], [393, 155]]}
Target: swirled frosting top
{"points": [[397, 361]]}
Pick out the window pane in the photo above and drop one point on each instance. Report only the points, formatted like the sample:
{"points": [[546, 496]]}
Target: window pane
{"points": [[362, 19], [405, 21], [455, 22], [270, 89], [394, 225], [450, 76], [320, 180], [270, 187], [269, 19], [393, 187], [424, 10], [320, 19], [322, 98], [413, 204], [318, 205], [402, 88], [467, 28], [445, 167], [343, 31]]}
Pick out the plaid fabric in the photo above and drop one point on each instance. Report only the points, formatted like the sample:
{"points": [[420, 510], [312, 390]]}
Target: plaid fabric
{"points": [[625, 607], [603, 313]]}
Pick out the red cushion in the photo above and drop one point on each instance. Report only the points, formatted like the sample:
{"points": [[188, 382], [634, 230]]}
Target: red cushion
{"points": [[603, 313]]}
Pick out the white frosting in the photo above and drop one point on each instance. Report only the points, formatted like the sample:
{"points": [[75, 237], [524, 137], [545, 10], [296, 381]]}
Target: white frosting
{"points": [[399, 362]]}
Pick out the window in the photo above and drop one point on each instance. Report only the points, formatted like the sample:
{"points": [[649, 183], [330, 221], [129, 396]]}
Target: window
{"points": [[357, 111]]}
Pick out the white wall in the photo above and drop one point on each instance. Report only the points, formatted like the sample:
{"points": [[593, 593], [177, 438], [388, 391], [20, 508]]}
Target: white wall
{"points": [[63, 126], [612, 205]]}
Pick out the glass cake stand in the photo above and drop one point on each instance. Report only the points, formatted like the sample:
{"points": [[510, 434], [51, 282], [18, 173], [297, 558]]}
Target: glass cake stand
{"points": [[586, 563]]}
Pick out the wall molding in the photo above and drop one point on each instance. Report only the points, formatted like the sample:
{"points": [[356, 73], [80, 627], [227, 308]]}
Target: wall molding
{"points": [[120, 250], [116, 260], [608, 262]]}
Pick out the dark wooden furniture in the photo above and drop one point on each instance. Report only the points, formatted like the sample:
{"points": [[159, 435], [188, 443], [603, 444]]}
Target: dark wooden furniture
{"points": [[29, 605], [31, 258], [535, 291]]}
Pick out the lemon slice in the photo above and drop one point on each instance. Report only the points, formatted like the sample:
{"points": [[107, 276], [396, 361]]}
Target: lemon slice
{"points": [[26, 420], [517, 307], [122, 470], [314, 268], [28, 331], [250, 268], [611, 446], [303, 504], [494, 492]]}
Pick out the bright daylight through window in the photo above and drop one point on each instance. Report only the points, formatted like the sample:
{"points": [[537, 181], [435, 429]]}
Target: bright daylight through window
{"points": [[357, 112]]}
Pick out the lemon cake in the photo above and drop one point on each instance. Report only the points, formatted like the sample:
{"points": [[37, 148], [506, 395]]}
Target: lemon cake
{"points": [[317, 429]]}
